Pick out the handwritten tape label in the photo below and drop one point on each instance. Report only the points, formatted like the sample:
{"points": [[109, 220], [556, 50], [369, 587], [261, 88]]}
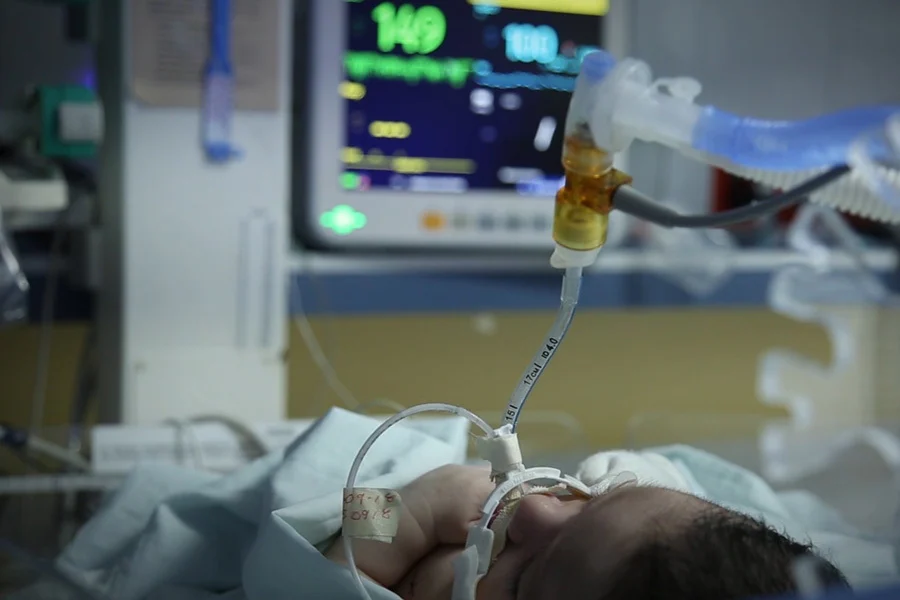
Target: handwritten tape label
{"points": [[371, 514]]}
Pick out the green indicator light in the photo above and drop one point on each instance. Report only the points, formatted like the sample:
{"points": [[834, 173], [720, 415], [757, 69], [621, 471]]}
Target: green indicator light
{"points": [[349, 181], [343, 220]]}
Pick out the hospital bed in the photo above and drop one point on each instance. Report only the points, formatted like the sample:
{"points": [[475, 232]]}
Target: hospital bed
{"points": [[858, 484]]}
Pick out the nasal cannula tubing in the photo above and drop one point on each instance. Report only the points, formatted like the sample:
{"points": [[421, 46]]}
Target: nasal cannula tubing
{"points": [[354, 469], [571, 288]]}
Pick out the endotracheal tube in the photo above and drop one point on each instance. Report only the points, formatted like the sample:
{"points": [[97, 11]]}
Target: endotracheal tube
{"points": [[580, 223], [568, 301]]}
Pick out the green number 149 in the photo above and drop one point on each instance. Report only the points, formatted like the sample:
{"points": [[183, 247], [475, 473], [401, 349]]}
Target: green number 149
{"points": [[416, 30]]}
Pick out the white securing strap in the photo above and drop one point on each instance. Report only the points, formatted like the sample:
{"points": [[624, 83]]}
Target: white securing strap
{"points": [[465, 574], [470, 566], [474, 562], [371, 514]]}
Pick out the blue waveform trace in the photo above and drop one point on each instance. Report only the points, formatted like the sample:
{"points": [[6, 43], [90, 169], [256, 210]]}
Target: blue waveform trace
{"points": [[531, 81], [485, 10]]}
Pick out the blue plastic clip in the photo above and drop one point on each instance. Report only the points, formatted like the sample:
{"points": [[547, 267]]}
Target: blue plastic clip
{"points": [[218, 87]]}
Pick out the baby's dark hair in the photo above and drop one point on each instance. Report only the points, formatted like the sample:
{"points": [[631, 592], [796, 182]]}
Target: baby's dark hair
{"points": [[721, 555]]}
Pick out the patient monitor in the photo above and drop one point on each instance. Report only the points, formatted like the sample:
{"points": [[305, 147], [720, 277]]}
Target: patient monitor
{"points": [[434, 125]]}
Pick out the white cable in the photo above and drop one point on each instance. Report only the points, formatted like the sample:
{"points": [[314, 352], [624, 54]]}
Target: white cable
{"points": [[182, 430], [320, 358], [259, 446], [301, 322], [185, 429], [392, 406], [63, 455], [357, 462], [304, 327]]}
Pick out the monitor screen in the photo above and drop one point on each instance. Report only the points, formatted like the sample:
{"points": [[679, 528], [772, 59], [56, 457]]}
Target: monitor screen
{"points": [[446, 96], [435, 123]]}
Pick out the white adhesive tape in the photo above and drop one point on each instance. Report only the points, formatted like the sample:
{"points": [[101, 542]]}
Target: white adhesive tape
{"points": [[501, 451], [371, 514]]}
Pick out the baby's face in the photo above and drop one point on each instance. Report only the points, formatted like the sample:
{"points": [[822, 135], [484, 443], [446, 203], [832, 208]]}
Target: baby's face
{"points": [[562, 547], [567, 547]]}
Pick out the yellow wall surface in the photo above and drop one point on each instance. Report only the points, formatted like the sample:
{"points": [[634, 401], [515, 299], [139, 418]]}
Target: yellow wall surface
{"points": [[614, 364]]}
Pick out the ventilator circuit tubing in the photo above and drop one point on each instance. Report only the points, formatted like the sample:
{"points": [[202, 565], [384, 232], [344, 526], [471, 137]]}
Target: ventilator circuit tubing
{"points": [[357, 462], [619, 102], [815, 143], [571, 288]]}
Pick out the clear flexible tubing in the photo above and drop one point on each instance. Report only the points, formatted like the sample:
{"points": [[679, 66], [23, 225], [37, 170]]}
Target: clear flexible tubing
{"points": [[357, 462], [571, 288]]}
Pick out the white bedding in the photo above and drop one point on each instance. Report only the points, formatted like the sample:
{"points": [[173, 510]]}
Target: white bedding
{"points": [[173, 533]]}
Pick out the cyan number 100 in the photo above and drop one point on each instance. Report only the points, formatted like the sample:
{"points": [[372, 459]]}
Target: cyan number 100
{"points": [[530, 43]]}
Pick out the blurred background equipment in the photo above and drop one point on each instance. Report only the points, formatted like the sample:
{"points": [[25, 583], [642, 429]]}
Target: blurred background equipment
{"points": [[13, 284], [843, 402], [190, 316]]}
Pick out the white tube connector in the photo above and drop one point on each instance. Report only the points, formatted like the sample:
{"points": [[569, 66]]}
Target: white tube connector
{"points": [[566, 258], [620, 102]]}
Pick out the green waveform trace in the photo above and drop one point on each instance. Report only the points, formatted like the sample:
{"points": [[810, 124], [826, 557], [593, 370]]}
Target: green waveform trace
{"points": [[363, 65]]}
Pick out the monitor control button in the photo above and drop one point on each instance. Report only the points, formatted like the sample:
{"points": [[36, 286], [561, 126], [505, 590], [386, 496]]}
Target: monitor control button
{"points": [[433, 221]]}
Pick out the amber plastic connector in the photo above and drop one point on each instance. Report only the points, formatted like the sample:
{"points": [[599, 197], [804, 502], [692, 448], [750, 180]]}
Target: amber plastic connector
{"points": [[581, 216]]}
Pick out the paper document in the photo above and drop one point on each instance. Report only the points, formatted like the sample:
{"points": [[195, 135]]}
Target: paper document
{"points": [[170, 47]]}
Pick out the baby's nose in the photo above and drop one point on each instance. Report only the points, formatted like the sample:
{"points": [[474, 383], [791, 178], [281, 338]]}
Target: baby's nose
{"points": [[540, 517]]}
